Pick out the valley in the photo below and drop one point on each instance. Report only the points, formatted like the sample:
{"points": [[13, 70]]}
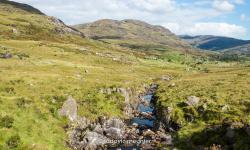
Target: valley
{"points": [[78, 87]]}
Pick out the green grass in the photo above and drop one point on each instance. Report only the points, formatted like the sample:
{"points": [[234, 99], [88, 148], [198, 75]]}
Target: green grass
{"points": [[34, 87], [224, 93], [47, 67]]}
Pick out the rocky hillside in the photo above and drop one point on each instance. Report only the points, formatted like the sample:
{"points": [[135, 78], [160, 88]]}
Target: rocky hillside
{"points": [[243, 50], [217, 43], [60, 91], [133, 34], [21, 21]]}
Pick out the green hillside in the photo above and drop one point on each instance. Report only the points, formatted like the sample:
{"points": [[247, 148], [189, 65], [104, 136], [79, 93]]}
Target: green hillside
{"points": [[43, 62], [133, 34]]}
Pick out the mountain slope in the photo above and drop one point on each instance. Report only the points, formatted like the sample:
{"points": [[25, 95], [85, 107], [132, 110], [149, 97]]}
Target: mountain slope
{"points": [[13, 7], [133, 34], [21, 21], [215, 43], [242, 50]]}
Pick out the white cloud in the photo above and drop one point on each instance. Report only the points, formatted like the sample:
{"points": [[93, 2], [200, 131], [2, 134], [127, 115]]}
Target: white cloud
{"points": [[180, 17], [243, 17], [223, 5], [239, 2], [208, 28]]}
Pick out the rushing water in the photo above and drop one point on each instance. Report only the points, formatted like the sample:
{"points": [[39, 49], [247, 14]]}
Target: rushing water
{"points": [[142, 108], [145, 121], [147, 107]]}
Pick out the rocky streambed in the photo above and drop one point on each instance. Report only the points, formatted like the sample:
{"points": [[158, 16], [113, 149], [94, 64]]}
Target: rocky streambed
{"points": [[141, 131]]}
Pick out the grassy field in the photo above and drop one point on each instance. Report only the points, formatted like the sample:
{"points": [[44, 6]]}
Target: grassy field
{"points": [[224, 100], [49, 63], [41, 75]]}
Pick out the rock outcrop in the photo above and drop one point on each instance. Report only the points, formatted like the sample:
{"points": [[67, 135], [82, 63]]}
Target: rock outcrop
{"points": [[192, 101], [69, 109]]}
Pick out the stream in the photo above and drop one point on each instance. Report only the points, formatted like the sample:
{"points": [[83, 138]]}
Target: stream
{"points": [[140, 132], [142, 123], [146, 110]]}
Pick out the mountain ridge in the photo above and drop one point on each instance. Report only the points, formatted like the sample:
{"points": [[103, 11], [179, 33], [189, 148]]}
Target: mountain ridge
{"points": [[24, 7], [215, 43], [22, 21], [132, 33]]}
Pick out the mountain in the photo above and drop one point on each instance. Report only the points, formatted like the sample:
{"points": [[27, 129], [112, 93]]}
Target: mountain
{"points": [[21, 21], [134, 34], [61, 91], [215, 43], [242, 50]]}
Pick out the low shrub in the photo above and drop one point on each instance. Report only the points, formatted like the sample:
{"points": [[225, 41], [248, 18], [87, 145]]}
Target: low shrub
{"points": [[14, 141], [6, 122]]}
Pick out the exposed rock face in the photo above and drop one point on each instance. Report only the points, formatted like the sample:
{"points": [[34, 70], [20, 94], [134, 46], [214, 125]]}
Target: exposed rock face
{"points": [[96, 135], [127, 93], [114, 128], [192, 101], [69, 109], [92, 135], [95, 140], [61, 28]]}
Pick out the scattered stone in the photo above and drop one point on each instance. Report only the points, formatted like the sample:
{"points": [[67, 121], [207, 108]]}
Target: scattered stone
{"points": [[237, 125], [225, 108], [192, 101], [166, 78], [135, 125], [53, 100], [83, 122], [114, 133], [109, 91], [114, 128], [172, 85], [86, 71], [114, 122], [115, 59], [7, 55], [15, 31], [148, 133], [69, 109], [164, 137], [94, 140], [169, 110]]}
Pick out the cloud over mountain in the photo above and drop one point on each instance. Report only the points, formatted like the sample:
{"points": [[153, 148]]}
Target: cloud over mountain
{"points": [[193, 15]]}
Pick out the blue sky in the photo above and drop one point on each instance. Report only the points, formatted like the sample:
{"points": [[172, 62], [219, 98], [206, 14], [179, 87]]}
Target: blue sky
{"points": [[192, 17]]}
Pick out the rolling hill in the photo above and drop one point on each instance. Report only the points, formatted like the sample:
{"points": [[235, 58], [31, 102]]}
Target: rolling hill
{"points": [[218, 43], [45, 65], [134, 34], [21, 21]]}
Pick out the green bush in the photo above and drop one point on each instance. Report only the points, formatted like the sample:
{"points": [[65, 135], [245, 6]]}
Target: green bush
{"points": [[6, 122], [14, 141], [22, 102]]}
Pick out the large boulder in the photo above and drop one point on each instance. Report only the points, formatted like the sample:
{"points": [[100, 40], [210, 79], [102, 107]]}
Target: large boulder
{"points": [[192, 101], [95, 140], [114, 122], [81, 139], [69, 109], [114, 128], [166, 139]]}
